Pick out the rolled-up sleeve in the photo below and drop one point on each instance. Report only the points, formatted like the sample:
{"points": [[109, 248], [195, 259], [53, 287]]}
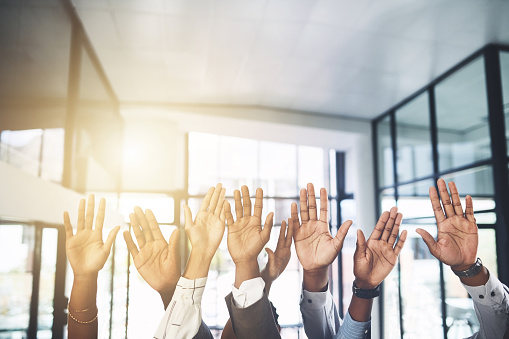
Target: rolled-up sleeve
{"points": [[491, 302], [182, 318], [321, 319]]}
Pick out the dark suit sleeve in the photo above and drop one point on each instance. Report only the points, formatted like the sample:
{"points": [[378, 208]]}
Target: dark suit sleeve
{"points": [[253, 322], [203, 332]]}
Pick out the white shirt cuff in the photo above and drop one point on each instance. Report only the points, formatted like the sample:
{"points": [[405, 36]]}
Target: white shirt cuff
{"points": [[315, 300], [489, 294], [249, 292]]}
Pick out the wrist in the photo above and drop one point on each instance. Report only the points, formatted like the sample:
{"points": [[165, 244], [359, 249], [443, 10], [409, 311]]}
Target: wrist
{"points": [[86, 278], [365, 285], [197, 266], [246, 270], [316, 280]]}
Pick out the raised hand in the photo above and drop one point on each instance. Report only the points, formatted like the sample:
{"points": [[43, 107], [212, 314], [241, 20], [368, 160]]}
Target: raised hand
{"points": [[278, 260], [457, 239], [375, 259], [246, 237], [86, 251], [157, 261], [315, 246], [206, 232]]}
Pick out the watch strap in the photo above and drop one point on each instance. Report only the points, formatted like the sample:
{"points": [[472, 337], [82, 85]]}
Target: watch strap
{"points": [[365, 294], [471, 271]]}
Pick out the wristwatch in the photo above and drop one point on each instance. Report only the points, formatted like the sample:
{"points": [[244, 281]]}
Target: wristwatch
{"points": [[471, 271], [365, 294]]}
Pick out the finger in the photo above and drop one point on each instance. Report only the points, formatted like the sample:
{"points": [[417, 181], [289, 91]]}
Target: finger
{"points": [[267, 227], [271, 256], [246, 201], [173, 242], [380, 226], [312, 202], [220, 201], [144, 224], [228, 213], [429, 241], [295, 216], [281, 239], [446, 199], [395, 230], [435, 203], [304, 214], [258, 207], [324, 205], [341, 235], [99, 219], [131, 246], [222, 215], [155, 230], [456, 201], [89, 219], [81, 215], [469, 209], [188, 217], [238, 204], [206, 201], [389, 225], [289, 233], [360, 249], [215, 198], [111, 238], [401, 243], [140, 237], [68, 226]]}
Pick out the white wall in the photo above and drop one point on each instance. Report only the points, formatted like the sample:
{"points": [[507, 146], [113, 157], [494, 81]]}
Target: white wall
{"points": [[24, 197]]}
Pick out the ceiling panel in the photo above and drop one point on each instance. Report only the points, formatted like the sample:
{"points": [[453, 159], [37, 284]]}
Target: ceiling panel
{"points": [[355, 58]]}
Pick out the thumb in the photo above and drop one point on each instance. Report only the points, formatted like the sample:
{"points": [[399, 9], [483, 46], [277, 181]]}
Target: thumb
{"points": [[360, 248], [267, 227], [341, 235], [272, 256], [173, 243], [429, 241], [188, 217], [111, 237]]}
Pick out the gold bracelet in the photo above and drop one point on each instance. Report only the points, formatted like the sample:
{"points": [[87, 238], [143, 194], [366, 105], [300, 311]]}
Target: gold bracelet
{"points": [[79, 321]]}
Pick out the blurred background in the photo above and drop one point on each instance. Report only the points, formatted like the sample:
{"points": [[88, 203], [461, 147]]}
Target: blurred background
{"points": [[149, 103]]}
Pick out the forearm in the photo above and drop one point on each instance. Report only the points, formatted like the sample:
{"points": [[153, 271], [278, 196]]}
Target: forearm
{"points": [[246, 270], [360, 309], [316, 280], [167, 294], [267, 280], [198, 265], [82, 322]]}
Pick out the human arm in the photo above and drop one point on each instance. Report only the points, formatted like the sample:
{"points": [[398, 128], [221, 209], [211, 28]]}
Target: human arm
{"points": [[456, 246], [157, 261], [87, 255], [182, 318]]}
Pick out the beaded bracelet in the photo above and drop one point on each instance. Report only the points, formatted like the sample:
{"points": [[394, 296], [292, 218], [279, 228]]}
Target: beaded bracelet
{"points": [[81, 311]]}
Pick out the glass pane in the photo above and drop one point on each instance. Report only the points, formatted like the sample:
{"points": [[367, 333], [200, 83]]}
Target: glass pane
{"points": [[47, 282], [17, 244], [420, 287], [347, 265], [311, 167], [384, 153], [461, 317], [392, 326], [161, 205], [414, 199], [203, 162], [477, 182], [462, 117], [414, 157], [118, 320], [238, 163], [278, 169], [387, 199], [332, 173], [504, 68], [22, 149]]}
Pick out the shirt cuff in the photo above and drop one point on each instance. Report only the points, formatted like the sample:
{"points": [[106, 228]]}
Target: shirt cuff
{"points": [[354, 329], [315, 300], [249, 292], [489, 294]]}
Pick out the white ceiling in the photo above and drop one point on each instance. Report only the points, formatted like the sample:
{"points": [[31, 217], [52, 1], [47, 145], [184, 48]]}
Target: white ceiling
{"points": [[345, 57]]}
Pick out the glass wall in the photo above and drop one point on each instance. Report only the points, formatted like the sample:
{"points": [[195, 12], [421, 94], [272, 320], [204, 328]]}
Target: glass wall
{"points": [[442, 132]]}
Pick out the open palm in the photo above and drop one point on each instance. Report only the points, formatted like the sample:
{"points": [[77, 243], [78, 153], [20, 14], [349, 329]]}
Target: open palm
{"points": [[157, 261], [457, 237], [246, 238], [86, 251], [375, 259], [315, 246]]}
